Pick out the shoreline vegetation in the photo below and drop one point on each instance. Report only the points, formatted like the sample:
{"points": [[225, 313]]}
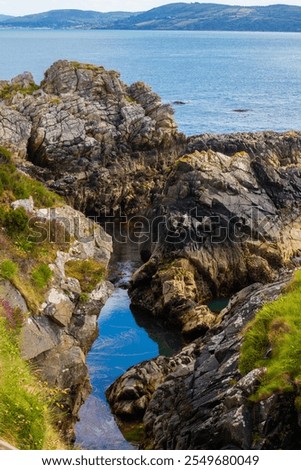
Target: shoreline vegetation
{"points": [[27, 404], [101, 144]]}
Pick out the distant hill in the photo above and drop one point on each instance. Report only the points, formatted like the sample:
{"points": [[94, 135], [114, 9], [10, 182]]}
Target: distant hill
{"points": [[210, 16], [5, 17], [175, 16], [67, 19]]}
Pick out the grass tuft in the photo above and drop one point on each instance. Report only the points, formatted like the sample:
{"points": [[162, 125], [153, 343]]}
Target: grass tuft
{"points": [[8, 269], [272, 340], [41, 276], [10, 89], [88, 272], [15, 185], [25, 419]]}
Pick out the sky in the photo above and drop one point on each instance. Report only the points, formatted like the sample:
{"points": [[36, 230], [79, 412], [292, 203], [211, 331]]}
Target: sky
{"points": [[21, 7]]}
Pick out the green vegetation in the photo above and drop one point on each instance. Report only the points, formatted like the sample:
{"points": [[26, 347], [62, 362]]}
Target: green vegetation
{"points": [[79, 65], [8, 269], [41, 276], [5, 154], [88, 272], [130, 99], [15, 185], [133, 432], [15, 221], [277, 327], [25, 419], [83, 298], [18, 237], [27, 407], [10, 89]]}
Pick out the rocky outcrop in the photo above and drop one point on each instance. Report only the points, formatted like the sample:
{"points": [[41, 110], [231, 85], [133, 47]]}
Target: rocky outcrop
{"points": [[57, 340], [129, 395], [224, 213], [100, 143], [204, 404], [229, 216]]}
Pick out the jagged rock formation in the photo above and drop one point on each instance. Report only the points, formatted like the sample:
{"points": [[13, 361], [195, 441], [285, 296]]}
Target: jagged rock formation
{"points": [[231, 216], [131, 393], [224, 213], [100, 143], [204, 404], [57, 339]]}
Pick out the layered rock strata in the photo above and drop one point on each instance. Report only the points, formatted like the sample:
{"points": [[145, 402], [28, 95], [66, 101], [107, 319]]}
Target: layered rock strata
{"points": [[229, 216], [223, 212], [204, 402], [93, 139]]}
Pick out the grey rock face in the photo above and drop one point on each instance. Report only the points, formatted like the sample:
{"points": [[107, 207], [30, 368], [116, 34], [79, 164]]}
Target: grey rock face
{"points": [[98, 141], [14, 131], [57, 340], [10, 294], [129, 396], [210, 406], [230, 216], [204, 403]]}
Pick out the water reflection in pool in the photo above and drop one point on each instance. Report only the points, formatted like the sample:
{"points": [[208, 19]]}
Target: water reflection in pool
{"points": [[122, 343]]}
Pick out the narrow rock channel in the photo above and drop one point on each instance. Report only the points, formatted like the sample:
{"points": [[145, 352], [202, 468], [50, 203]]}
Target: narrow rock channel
{"points": [[124, 340]]}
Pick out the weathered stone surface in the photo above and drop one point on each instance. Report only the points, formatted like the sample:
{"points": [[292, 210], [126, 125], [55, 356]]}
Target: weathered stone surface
{"points": [[208, 406], [129, 396], [23, 80], [14, 131], [58, 340], [230, 207], [37, 337], [230, 211], [27, 204], [10, 294], [197, 321], [59, 307], [97, 141]]}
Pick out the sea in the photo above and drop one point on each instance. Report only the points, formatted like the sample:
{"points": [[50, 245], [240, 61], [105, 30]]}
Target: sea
{"points": [[218, 82]]}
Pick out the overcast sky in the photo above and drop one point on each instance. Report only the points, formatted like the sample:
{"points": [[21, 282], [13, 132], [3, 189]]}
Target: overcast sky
{"points": [[23, 7]]}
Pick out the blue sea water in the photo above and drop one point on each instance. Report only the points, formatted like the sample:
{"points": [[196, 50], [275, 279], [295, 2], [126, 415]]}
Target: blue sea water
{"points": [[121, 344], [213, 73], [124, 340]]}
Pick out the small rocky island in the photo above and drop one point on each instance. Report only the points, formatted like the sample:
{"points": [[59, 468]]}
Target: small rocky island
{"points": [[224, 221]]}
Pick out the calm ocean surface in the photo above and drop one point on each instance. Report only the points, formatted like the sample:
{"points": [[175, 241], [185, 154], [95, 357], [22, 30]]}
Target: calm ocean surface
{"points": [[214, 73]]}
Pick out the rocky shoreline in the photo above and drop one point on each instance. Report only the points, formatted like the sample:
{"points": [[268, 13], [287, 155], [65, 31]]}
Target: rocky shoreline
{"points": [[198, 399], [223, 218]]}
